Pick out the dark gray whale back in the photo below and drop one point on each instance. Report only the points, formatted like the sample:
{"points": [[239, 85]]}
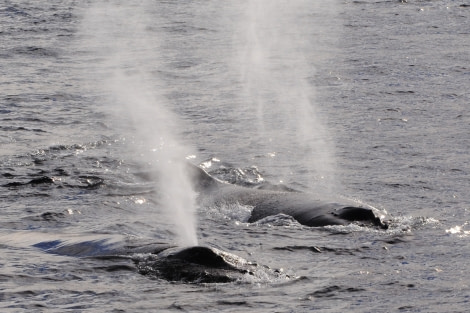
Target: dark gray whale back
{"points": [[196, 264], [303, 207], [200, 264]]}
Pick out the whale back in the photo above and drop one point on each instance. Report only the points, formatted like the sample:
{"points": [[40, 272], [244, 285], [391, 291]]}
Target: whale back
{"points": [[303, 207], [198, 264], [201, 180]]}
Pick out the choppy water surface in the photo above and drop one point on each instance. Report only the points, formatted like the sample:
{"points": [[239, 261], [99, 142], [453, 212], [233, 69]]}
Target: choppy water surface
{"points": [[383, 83]]}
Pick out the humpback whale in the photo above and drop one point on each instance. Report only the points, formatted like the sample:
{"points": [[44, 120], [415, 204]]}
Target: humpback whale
{"points": [[303, 207], [194, 264]]}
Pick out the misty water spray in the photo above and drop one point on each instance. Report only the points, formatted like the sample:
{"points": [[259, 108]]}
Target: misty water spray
{"points": [[125, 43], [277, 65]]}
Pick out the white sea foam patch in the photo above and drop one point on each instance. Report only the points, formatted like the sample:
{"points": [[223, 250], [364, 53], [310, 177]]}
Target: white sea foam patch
{"points": [[351, 228], [229, 211], [265, 275], [459, 230], [278, 220]]}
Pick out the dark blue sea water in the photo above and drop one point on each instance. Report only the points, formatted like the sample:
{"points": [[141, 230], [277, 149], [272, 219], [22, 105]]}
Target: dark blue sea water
{"points": [[366, 100]]}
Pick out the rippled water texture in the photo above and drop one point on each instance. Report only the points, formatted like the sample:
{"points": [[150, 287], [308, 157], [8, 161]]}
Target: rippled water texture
{"points": [[364, 100]]}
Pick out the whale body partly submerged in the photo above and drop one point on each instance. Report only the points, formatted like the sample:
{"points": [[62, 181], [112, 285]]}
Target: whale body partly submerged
{"points": [[194, 264], [303, 207]]}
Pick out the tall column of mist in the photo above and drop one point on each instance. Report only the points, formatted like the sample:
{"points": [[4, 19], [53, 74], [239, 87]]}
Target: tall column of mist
{"points": [[124, 41], [278, 42]]}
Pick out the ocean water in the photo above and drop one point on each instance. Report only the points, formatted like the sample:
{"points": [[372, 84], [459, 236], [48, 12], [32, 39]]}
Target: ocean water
{"points": [[366, 100]]}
